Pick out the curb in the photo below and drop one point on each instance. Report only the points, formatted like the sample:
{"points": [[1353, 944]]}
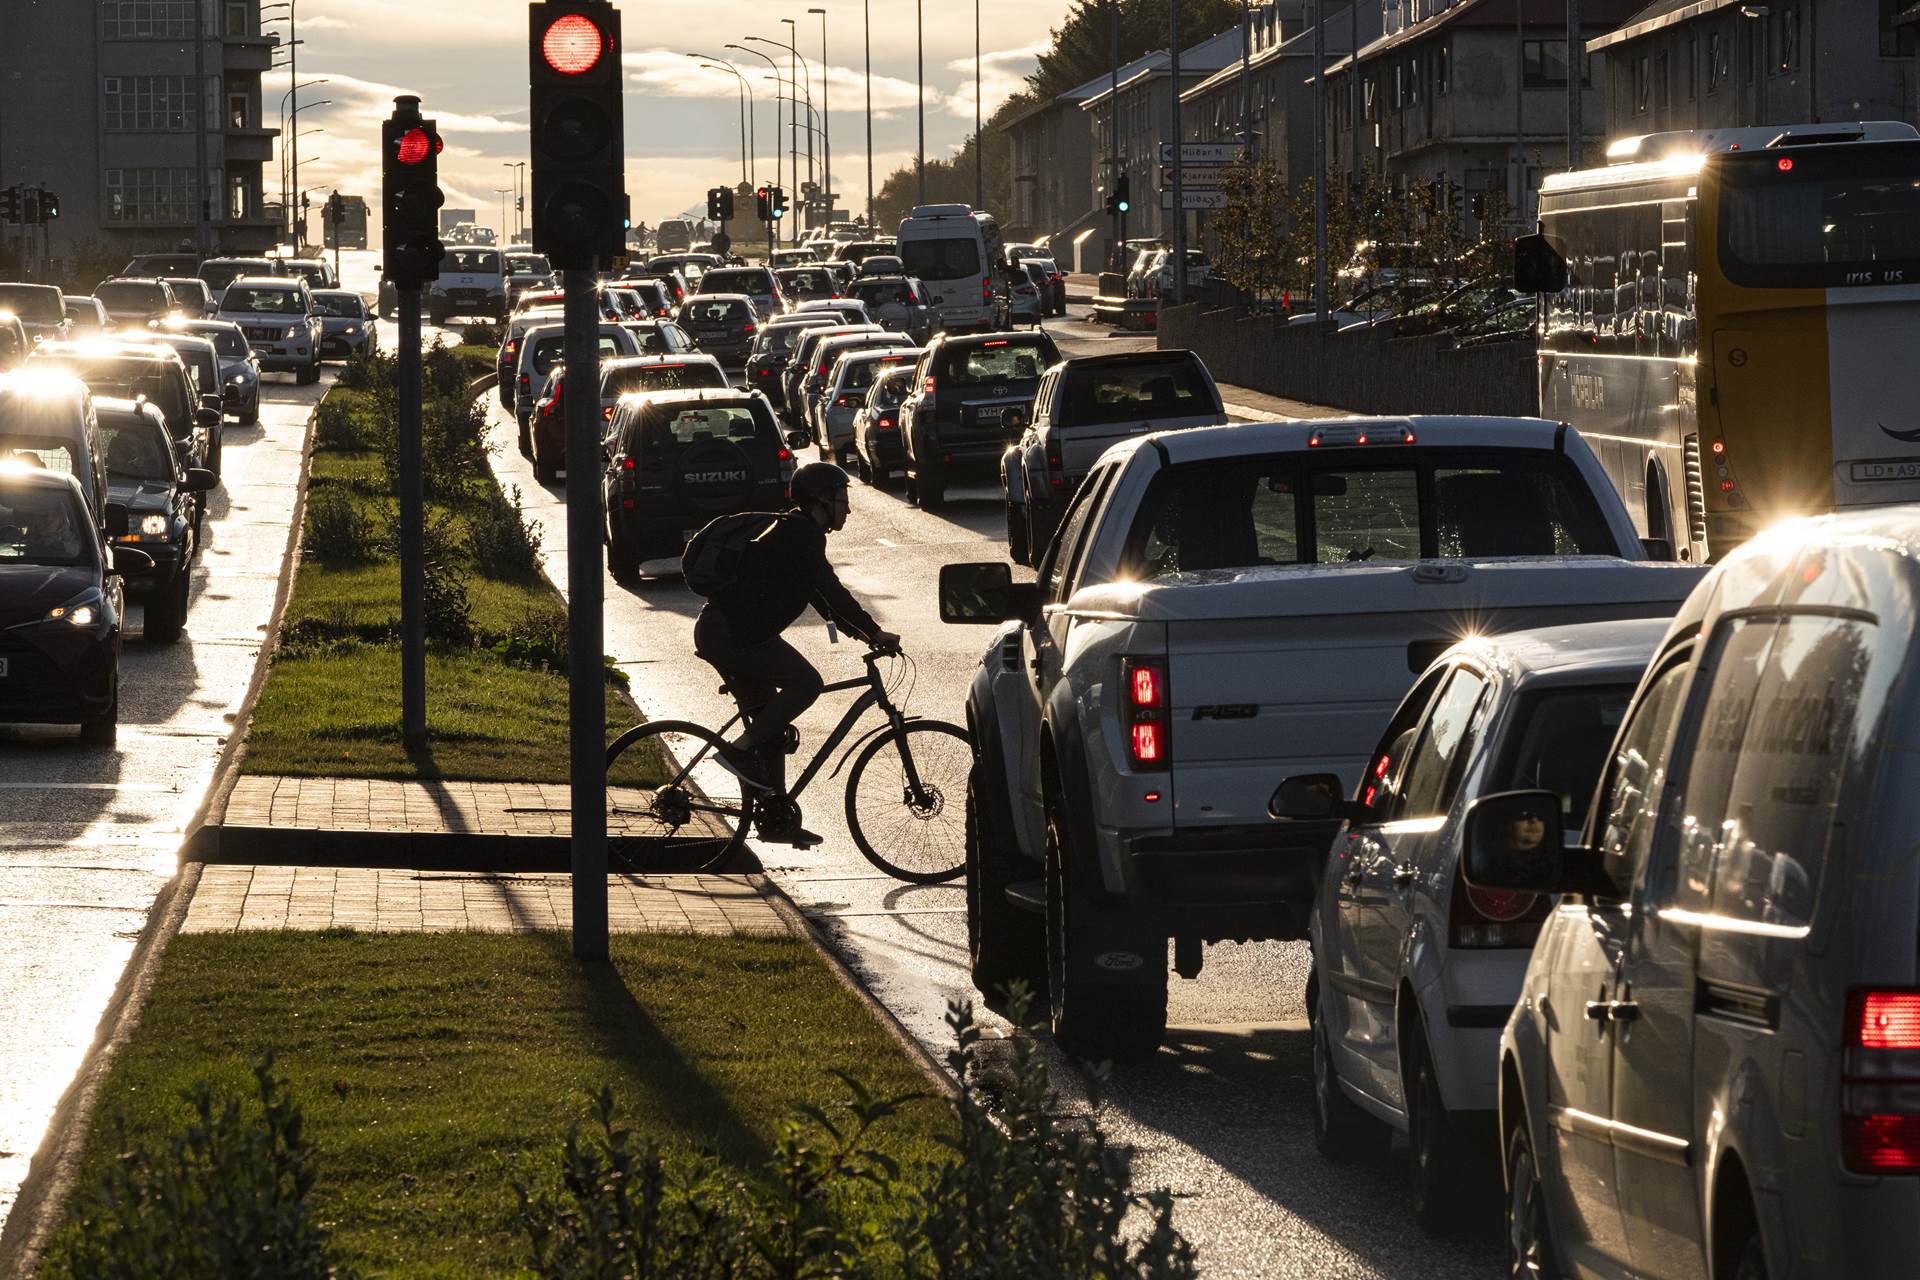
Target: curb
{"points": [[55, 1166]]}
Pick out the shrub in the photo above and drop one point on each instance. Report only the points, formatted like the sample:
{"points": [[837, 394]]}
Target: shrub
{"points": [[338, 532], [366, 371], [337, 428], [442, 374], [225, 1199], [483, 335], [504, 542]]}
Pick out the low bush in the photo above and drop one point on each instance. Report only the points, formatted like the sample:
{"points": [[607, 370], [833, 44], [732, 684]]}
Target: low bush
{"points": [[505, 543], [337, 426], [338, 532], [483, 335]]}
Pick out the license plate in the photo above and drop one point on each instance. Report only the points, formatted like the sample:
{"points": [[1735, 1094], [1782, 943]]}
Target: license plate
{"points": [[3, 668], [1886, 469]]}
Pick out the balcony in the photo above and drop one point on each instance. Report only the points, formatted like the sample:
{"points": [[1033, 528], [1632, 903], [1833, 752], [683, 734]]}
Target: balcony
{"points": [[249, 145], [248, 53]]}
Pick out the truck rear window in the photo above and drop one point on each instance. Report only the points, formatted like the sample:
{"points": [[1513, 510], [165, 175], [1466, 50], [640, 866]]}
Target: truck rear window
{"points": [[1351, 506], [998, 361], [1126, 393], [660, 377]]}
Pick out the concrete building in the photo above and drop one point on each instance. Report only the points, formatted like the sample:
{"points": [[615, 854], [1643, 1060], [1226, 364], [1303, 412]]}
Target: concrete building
{"points": [[1472, 90], [1052, 150], [144, 116], [1708, 64]]}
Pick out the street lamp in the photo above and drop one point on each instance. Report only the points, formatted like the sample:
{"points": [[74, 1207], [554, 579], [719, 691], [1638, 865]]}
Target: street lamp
{"points": [[506, 228], [519, 168], [979, 146], [778, 172], [289, 121], [920, 93], [293, 71], [826, 118], [866, 13], [746, 114], [793, 83]]}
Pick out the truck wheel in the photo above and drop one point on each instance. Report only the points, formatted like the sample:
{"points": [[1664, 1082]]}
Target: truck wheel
{"points": [[1094, 1017], [1016, 534], [1004, 943], [167, 609], [622, 563]]}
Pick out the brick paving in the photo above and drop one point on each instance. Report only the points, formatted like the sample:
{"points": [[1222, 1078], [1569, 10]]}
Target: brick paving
{"points": [[375, 804], [232, 898]]}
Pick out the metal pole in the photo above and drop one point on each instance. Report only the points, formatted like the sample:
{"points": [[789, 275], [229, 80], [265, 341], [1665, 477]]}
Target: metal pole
{"points": [[920, 93], [1116, 163], [778, 173], [1576, 48], [202, 218], [293, 78], [1179, 155], [413, 584], [1320, 164], [1519, 111], [1354, 94], [979, 144], [1246, 75], [586, 641], [826, 120], [866, 11]]}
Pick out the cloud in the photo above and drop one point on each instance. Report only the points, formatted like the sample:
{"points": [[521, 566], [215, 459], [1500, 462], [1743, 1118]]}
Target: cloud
{"points": [[1003, 73]]}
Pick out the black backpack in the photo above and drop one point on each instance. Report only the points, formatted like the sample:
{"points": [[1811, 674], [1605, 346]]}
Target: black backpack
{"points": [[714, 555]]}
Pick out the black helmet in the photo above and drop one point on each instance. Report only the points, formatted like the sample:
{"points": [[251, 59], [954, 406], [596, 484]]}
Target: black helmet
{"points": [[815, 482]]}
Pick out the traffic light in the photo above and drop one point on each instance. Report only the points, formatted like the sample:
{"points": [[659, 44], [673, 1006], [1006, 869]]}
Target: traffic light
{"points": [[410, 166], [30, 206], [713, 203], [1122, 194], [763, 203], [10, 205], [726, 204], [579, 167], [779, 203], [49, 206]]}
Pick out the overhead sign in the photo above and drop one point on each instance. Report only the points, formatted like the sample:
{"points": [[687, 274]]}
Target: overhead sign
{"points": [[1192, 198], [1192, 153]]}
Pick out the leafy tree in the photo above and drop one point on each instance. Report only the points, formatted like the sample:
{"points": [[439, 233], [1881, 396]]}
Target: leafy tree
{"points": [[1082, 45]]}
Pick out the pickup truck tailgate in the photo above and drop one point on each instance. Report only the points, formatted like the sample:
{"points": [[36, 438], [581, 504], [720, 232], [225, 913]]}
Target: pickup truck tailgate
{"points": [[1301, 674], [1081, 446]]}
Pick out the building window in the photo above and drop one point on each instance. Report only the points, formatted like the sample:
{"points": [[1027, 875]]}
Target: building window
{"points": [[1642, 85], [1662, 80], [1896, 37], [237, 202], [1786, 40], [147, 19], [238, 23], [1413, 83], [150, 195], [1693, 66], [1544, 64], [238, 116], [1372, 89], [1718, 64], [1442, 69], [149, 104]]}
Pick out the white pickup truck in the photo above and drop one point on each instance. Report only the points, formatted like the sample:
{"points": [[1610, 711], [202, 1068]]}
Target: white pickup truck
{"points": [[1083, 406], [1221, 608]]}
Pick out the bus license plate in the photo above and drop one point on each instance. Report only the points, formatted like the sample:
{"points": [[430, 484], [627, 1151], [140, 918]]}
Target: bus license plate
{"points": [[1886, 469]]}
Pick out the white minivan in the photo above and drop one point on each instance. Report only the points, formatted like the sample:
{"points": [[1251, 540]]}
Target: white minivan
{"points": [[955, 250], [473, 282], [1713, 1068]]}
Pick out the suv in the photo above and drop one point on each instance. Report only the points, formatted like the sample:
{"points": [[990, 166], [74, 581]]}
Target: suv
{"points": [[528, 271], [957, 422], [239, 370], [47, 419], [163, 503], [899, 303], [817, 386], [542, 347], [221, 272], [192, 299], [878, 450], [767, 364], [723, 325], [656, 373], [844, 394], [1083, 406], [472, 282], [1713, 1066], [793, 375], [41, 310], [203, 366], [803, 283], [133, 302], [130, 370], [757, 283], [279, 319], [677, 459], [162, 264]]}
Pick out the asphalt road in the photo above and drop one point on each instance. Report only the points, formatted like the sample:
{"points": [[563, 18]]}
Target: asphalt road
{"points": [[89, 836], [1221, 1115]]}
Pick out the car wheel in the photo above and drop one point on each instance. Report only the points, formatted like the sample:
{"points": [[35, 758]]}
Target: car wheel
{"points": [[1093, 1019], [167, 609], [1530, 1254], [252, 416], [1440, 1147], [545, 472], [622, 563], [1016, 534], [1341, 1130], [1004, 943], [931, 494], [861, 467], [104, 729], [1753, 1261], [526, 436]]}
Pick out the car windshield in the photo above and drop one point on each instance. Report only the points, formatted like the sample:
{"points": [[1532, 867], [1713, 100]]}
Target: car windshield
{"points": [[219, 275], [34, 303], [998, 360], [552, 350], [343, 306], [717, 312], [882, 293], [751, 280], [484, 262], [693, 424], [228, 342], [1124, 393], [137, 449], [780, 338], [42, 526], [1349, 506], [125, 295], [808, 282], [857, 375], [666, 376], [1560, 744], [263, 300], [528, 264], [126, 378], [945, 258]]}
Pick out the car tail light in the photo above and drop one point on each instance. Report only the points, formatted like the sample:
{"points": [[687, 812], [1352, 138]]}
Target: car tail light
{"points": [[886, 424], [845, 402], [1056, 469], [1144, 712], [986, 288], [606, 412], [928, 388], [1485, 918], [1880, 1089], [749, 327]]}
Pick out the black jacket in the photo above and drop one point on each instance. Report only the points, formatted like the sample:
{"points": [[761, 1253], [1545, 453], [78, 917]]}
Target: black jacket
{"points": [[785, 570]]}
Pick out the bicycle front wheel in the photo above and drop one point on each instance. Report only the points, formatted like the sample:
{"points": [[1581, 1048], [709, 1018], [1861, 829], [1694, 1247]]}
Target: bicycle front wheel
{"points": [[658, 818], [907, 801]]}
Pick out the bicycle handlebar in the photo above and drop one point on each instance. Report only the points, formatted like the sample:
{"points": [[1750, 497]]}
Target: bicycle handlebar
{"points": [[872, 656]]}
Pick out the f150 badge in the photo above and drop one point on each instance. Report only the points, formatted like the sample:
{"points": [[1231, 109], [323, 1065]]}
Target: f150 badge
{"points": [[1227, 711]]}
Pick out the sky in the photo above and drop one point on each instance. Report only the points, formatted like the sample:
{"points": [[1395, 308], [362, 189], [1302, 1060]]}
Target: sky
{"points": [[467, 61]]}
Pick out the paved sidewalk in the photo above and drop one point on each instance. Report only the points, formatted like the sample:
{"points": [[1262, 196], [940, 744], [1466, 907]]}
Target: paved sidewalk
{"points": [[233, 898], [376, 804]]}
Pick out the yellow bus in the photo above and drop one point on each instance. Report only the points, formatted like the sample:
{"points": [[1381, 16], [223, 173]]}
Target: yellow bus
{"points": [[1738, 335]]}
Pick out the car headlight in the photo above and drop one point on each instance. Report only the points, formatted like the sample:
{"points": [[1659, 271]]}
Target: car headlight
{"points": [[154, 526], [293, 330], [351, 330], [81, 611]]}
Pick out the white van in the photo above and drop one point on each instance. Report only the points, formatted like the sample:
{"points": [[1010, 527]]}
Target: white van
{"points": [[957, 253], [473, 282]]}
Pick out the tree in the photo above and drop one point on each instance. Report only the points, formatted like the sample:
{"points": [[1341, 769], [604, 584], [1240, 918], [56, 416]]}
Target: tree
{"points": [[1082, 46]]}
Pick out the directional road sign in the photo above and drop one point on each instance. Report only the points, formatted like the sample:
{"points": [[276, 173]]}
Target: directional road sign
{"points": [[1193, 153], [1204, 198], [1194, 175]]}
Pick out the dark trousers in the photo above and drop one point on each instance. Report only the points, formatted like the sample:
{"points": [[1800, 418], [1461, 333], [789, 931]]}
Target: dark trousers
{"points": [[769, 678]]}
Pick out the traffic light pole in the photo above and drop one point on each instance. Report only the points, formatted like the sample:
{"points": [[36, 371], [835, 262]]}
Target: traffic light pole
{"points": [[413, 551], [586, 667]]}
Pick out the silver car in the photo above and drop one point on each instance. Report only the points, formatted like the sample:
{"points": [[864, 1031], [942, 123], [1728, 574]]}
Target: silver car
{"points": [[278, 317], [347, 328], [239, 367]]}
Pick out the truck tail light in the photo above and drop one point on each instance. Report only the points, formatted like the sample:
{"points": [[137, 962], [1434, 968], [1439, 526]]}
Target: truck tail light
{"points": [[986, 288], [628, 482], [1880, 1086], [1144, 706], [1488, 918], [1056, 469]]}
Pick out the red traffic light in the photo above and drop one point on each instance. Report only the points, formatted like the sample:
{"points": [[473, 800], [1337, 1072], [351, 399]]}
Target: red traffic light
{"points": [[573, 44], [415, 146]]}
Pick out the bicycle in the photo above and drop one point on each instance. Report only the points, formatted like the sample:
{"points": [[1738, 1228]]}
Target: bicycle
{"points": [[908, 787]]}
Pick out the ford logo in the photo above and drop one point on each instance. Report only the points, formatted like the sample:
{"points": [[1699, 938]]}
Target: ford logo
{"points": [[1119, 961]]}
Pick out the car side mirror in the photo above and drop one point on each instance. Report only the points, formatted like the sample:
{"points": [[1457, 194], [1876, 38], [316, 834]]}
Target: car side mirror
{"points": [[115, 520], [798, 439], [985, 593], [206, 417], [198, 480], [1313, 797], [1538, 266], [125, 560], [1657, 548], [1513, 840]]}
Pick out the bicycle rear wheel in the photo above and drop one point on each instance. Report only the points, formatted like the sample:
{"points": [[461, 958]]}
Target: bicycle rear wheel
{"points": [[658, 818], [924, 834]]}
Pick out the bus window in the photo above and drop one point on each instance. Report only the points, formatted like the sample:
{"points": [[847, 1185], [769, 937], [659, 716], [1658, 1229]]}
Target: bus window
{"points": [[1816, 219]]}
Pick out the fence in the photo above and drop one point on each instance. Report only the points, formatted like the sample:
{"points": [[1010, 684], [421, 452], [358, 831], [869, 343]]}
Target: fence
{"points": [[1363, 369]]}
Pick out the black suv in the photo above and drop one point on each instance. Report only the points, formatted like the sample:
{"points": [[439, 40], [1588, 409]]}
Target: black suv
{"points": [[773, 347], [677, 459], [162, 500], [721, 324], [956, 422], [132, 369]]}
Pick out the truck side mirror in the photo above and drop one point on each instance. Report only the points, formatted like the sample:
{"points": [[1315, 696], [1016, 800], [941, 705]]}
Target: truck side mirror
{"points": [[985, 593], [1538, 266]]}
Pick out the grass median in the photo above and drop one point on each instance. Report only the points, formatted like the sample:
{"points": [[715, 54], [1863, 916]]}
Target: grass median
{"points": [[496, 661], [429, 1066]]}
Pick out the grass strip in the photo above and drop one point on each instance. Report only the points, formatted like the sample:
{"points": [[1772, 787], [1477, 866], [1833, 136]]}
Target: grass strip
{"points": [[427, 1063]]}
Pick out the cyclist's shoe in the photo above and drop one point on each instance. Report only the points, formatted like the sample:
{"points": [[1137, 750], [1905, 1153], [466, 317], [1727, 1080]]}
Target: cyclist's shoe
{"points": [[790, 741], [742, 763], [796, 835]]}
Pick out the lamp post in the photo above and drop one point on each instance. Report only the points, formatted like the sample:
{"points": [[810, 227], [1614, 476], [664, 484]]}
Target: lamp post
{"points": [[866, 13], [979, 147], [506, 228], [293, 72], [746, 113], [289, 140], [778, 174], [286, 142], [826, 120], [920, 93], [793, 117], [519, 168], [804, 79]]}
